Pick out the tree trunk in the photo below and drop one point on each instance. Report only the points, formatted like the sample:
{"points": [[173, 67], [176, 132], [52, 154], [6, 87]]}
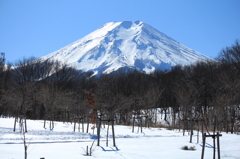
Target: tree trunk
{"points": [[25, 124], [15, 121], [113, 134], [82, 124], [87, 124], [107, 134], [165, 114], [98, 131], [133, 124]]}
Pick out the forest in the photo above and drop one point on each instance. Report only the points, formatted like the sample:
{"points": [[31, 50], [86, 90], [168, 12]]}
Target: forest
{"points": [[49, 90]]}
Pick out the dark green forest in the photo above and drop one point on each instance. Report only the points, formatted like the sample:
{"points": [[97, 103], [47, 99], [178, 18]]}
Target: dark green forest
{"points": [[50, 90]]}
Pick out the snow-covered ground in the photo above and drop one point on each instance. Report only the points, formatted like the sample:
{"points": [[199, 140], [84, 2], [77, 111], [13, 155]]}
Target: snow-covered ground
{"points": [[63, 143]]}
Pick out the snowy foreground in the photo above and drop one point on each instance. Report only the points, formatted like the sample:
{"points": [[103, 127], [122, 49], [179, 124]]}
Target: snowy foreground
{"points": [[63, 143]]}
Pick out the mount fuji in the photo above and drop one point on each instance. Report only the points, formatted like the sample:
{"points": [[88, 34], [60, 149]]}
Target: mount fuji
{"points": [[131, 44]]}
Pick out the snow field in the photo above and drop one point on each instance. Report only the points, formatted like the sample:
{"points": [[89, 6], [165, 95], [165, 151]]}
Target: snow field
{"points": [[62, 143]]}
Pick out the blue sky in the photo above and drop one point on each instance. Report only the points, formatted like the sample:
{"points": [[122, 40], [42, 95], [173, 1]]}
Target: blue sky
{"points": [[39, 27]]}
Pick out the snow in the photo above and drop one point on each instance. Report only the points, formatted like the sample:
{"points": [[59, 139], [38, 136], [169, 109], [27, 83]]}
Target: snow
{"points": [[62, 143], [120, 44]]}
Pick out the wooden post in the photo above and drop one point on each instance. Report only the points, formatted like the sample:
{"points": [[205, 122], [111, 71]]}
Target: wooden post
{"points": [[15, 121], [191, 131], [87, 150], [98, 131], [214, 146], [44, 124], [25, 124], [202, 131], [133, 124], [82, 124], [79, 124], [87, 124], [218, 145], [107, 133], [203, 146], [50, 126], [74, 125], [198, 132], [113, 134], [25, 150], [214, 137]]}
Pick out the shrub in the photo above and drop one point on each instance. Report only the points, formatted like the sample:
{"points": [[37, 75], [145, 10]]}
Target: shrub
{"points": [[192, 148]]}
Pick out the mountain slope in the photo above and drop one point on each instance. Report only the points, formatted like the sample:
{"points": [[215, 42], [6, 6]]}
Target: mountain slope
{"points": [[125, 44]]}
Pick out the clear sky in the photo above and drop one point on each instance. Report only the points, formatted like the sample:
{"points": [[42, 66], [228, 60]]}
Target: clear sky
{"points": [[39, 27]]}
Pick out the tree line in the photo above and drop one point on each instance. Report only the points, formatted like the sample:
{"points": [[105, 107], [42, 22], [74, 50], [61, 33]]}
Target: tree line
{"points": [[51, 90]]}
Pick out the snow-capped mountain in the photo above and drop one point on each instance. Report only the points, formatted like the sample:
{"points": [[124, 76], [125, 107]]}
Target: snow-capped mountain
{"points": [[125, 44]]}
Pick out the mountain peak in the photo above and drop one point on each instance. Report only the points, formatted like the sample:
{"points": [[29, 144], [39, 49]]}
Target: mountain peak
{"points": [[132, 44]]}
